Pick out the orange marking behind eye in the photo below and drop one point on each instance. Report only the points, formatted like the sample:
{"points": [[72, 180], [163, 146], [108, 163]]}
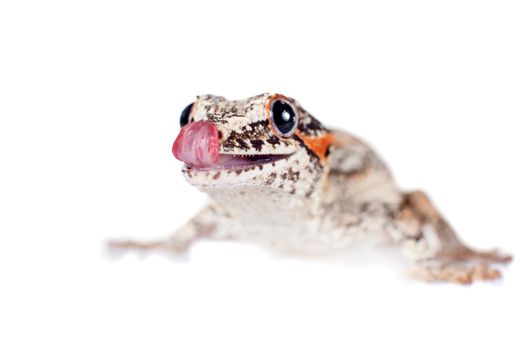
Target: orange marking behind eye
{"points": [[318, 144]]}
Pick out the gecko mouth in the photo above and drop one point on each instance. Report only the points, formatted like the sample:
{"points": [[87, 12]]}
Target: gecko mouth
{"points": [[239, 161], [198, 146]]}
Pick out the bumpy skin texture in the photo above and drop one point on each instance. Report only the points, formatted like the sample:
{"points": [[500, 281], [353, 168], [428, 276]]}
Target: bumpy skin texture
{"points": [[317, 190]]}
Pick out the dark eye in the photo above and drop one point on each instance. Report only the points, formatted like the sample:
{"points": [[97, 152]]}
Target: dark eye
{"points": [[185, 115], [283, 117]]}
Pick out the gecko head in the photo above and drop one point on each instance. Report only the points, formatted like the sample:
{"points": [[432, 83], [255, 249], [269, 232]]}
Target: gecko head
{"points": [[266, 141]]}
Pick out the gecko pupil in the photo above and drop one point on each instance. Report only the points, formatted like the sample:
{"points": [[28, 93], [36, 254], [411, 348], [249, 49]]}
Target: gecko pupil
{"points": [[284, 117], [185, 115]]}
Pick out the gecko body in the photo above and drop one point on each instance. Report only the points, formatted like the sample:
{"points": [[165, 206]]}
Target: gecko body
{"points": [[276, 176]]}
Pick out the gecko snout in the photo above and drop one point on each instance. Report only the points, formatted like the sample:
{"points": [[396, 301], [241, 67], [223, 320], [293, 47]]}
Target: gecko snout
{"points": [[198, 144]]}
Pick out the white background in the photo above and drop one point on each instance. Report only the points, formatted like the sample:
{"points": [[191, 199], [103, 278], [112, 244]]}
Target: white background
{"points": [[90, 96]]}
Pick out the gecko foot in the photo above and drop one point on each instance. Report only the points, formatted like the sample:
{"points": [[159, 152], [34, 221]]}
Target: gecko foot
{"points": [[456, 273], [146, 247]]}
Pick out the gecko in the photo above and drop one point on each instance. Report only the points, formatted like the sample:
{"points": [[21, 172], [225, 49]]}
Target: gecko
{"points": [[278, 177]]}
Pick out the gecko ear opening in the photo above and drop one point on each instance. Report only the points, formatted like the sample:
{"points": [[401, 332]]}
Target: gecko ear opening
{"points": [[283, 117]]}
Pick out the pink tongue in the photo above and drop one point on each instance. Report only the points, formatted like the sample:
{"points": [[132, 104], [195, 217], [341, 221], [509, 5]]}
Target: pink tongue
{"points": [[197, 144]]}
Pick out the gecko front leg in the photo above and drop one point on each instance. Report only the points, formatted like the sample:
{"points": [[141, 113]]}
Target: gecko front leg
{"points": [[428, 240], [204, 224]]}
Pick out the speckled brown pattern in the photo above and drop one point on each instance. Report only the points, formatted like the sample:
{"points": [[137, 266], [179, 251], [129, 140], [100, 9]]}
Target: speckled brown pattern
{"points": [[319, 190]]}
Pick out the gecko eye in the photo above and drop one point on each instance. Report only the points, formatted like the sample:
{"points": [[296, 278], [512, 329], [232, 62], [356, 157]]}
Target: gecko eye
{"points": [[185, 115], [283, 117]]}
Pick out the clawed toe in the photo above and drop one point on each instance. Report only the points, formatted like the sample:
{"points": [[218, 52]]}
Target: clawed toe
{"points": [[493, 255]]}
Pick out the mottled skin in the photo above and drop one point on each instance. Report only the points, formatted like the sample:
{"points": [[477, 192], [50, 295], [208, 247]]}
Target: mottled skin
{"points": [[325, 190]]}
